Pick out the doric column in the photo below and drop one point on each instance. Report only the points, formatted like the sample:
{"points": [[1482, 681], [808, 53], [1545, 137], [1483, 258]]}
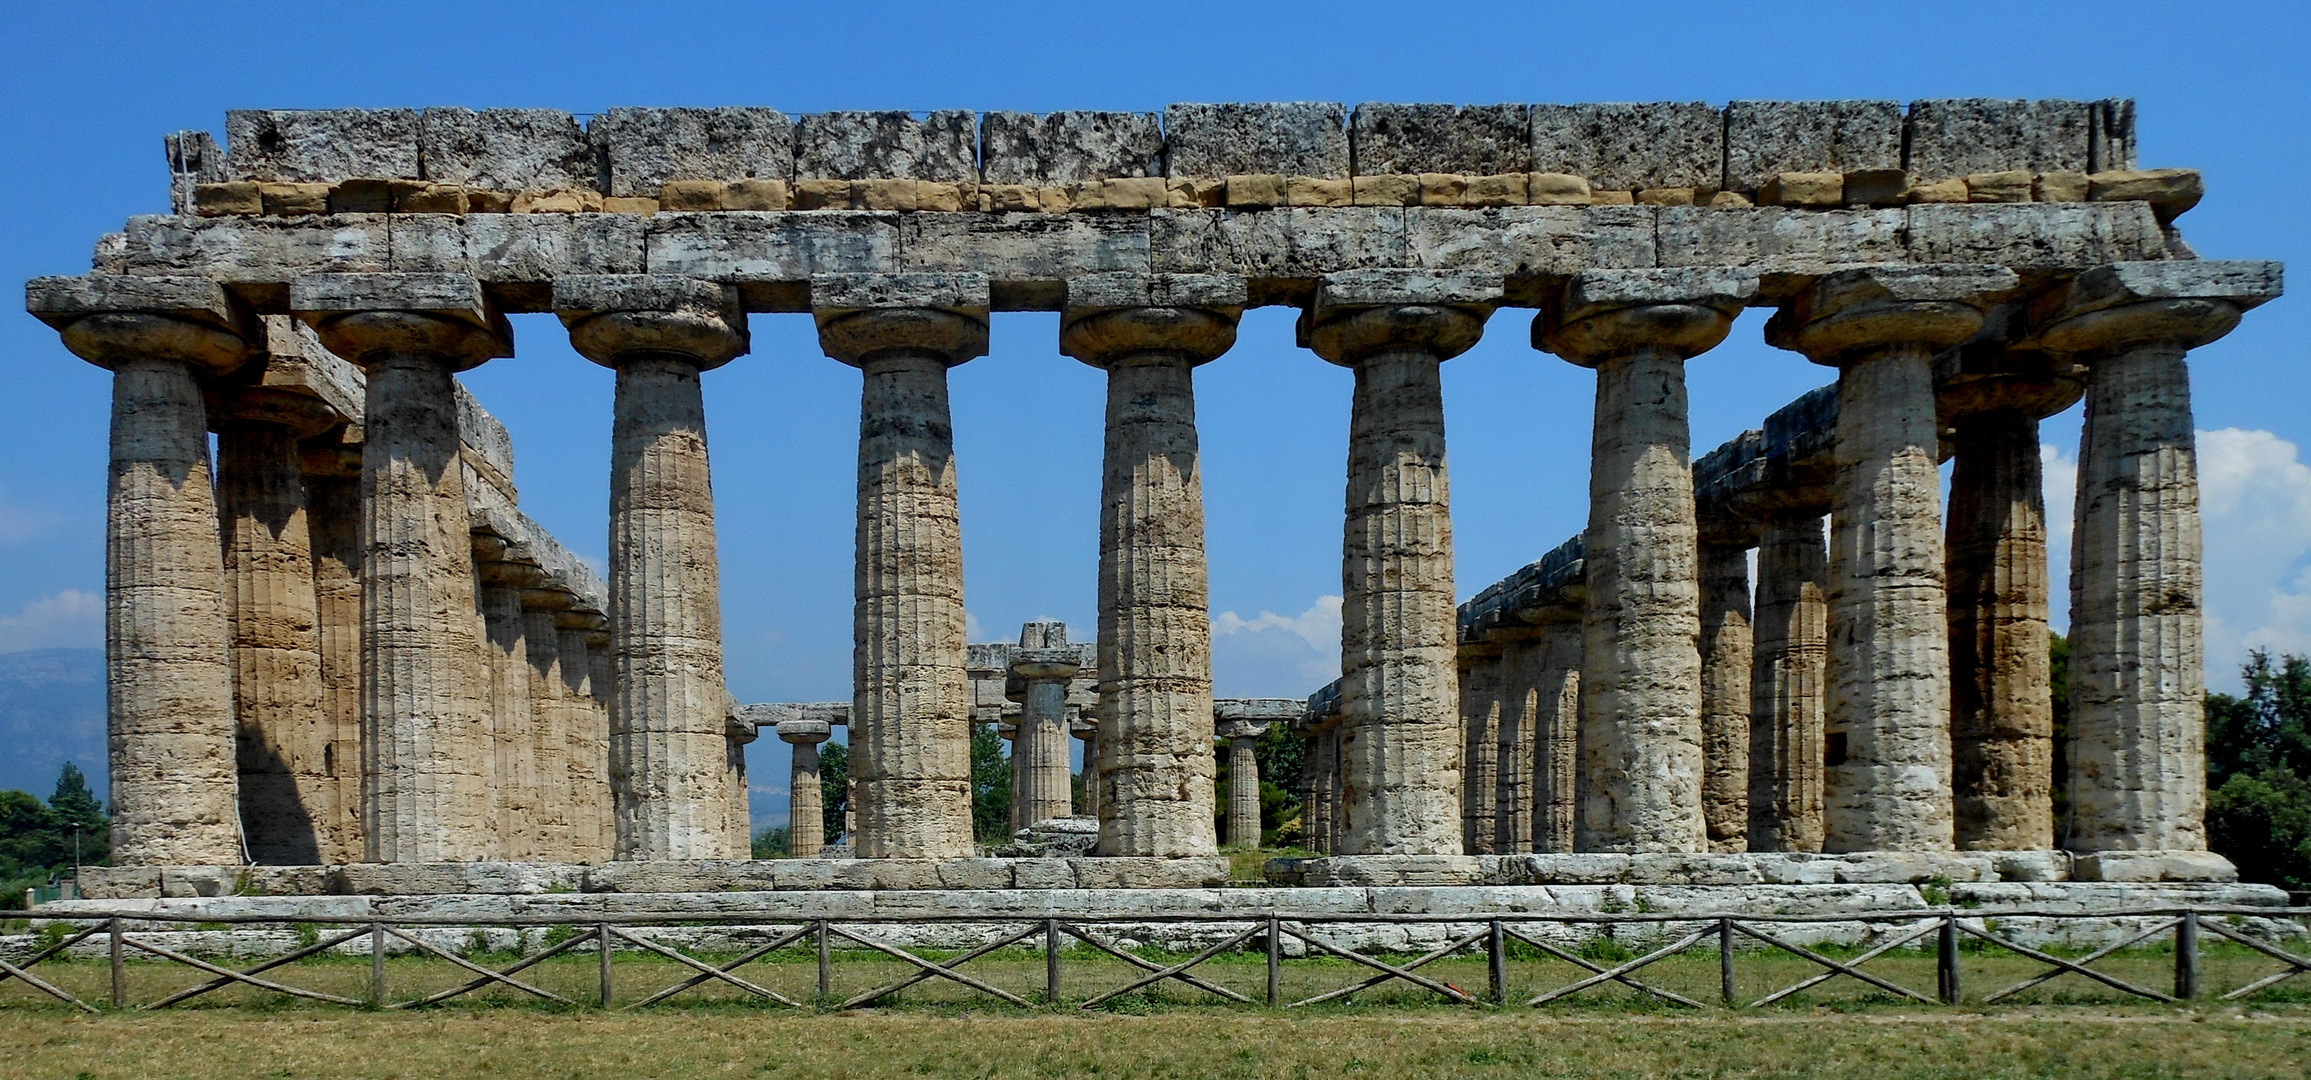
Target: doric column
{"points": [[583, 653], [1726, 648], [1556, 723], [2001, 694], [667, 743], [910, 715], [2138, 684], [806, 814], [1886, 784], [1481, 687], [333, 518], [168, 666], [1243, 780], [1009, 732], [517, 716], [564, 820], [1088, 732], [1791, 644], [1155, 653], [1641, 664], [276, 638], [1044, 662], [1524, 651], [1400, 748], [427, 798]]}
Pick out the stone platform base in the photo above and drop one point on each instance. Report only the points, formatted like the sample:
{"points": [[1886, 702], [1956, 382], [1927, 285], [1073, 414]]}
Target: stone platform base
{"points": [[767, 875], [1757, 868], [1191, 918]]}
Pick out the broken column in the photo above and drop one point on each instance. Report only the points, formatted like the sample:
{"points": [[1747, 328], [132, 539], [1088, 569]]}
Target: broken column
{"points": [[806, 814], [168, 665], [1155, 660], [1886, 783], [668, 747], [2137, 724], [1044, 663], [910, 719], [2001, 696], [1788, 652], [1726, 647], [428, 796], [1400, 730], [1641, 666]]}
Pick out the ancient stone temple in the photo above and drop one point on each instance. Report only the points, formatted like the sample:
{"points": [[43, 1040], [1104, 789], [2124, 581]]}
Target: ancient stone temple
{"points": [[341, 646]]}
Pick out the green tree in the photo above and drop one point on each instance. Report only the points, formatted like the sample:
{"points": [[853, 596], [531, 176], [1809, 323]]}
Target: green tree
{"points": [[77, 815], [834, 788], [2259, 772], [990, 786], [773, 843]]}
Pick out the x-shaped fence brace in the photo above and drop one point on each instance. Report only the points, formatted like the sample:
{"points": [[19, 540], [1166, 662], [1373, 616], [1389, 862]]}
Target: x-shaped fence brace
{"points": [[1496, 934]]}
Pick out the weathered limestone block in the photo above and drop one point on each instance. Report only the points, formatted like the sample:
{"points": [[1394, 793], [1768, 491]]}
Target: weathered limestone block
{"points": [[2002, 711], [942, 146], [2111, 143], [1069, 147], [1629, 147], [1299, 244], [1790, 642], [1155, 674], [1034, 257], [1778, 240], [325, 145], [1472, 140], [1641, 671], [1766, 138], [642, 149], [1957, 136], [1726, 647], [2034, 238], [1526, 241], [806, 814], [1483, 699], [1400, 738], [1289, 138], [428, 799], [506, 149], [1045, 663], [255, 250], [530, 250], [747, 248], [283, 740], [168, 664], [667, 739], [1887, 737], [194, 160], [2137, 753], [910, 718]]}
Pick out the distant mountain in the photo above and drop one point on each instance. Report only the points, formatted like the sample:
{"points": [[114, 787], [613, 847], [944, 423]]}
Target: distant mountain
{"points": [[51, 712]]}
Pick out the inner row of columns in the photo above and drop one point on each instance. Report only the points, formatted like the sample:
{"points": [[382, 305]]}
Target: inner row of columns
{"points": [[1639, 738]]}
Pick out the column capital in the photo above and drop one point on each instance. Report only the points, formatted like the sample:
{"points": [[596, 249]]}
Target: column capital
{"points": [[862, 315], [1112, 319], [1602, 314], [365, 317], [109, 318], [616, 317], [1357, 314], [800, 731], [2184, 303], [1241, 729], [1852, 313]]}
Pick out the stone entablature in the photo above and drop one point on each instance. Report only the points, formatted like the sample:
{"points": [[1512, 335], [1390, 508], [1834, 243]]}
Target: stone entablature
{"points": [[1237, 155]]}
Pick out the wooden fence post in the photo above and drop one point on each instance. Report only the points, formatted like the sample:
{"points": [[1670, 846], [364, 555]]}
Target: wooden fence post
{"points": [[826, 970], [1051, 961], [1497, 963], [1275, 960], [377, 965], [119, 966], [1946, 961], [602, 935], [1727, 989], [2187, 957]]}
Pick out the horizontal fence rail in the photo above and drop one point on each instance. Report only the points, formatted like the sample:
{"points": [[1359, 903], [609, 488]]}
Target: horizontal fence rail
{"points": [[834, 941]]}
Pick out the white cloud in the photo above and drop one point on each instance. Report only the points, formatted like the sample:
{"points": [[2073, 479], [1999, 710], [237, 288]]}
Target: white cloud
{"points": [[972, 631], [69, 619], [2255, 501], [2061, 472], [1272, 655]]}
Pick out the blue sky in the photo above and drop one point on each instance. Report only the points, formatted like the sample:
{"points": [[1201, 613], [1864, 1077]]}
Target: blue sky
{"points": [[91, 89]]}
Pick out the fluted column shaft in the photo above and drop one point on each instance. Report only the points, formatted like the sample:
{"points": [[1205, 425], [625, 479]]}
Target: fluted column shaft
{"points": [[2002, 709], [1155, 654], [666, 699], [1786, 692], [1243, 793], [1523, 660], [1557, 737], [583, 658], [1726, 654], [168, 671], [514, 721], [1046, 790], [806, 814], [555, 709], [283, 737], [1482, 684], [334, 519]]}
